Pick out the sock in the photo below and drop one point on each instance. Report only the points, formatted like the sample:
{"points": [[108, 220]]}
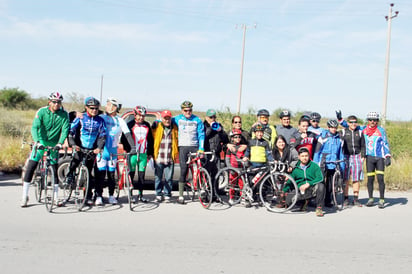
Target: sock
{"points": [[26, 186]]}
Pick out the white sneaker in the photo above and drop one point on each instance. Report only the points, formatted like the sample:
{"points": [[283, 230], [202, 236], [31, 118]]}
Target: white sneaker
{"points": [[159, 199], [167, 199], [112, 200], [231, 202], [99, 201], [24, 201]]}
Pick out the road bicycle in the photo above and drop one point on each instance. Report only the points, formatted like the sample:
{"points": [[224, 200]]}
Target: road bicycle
{"points": [[338, 186], [264, 185], [123, 179], [79, 188], [200, 184]]}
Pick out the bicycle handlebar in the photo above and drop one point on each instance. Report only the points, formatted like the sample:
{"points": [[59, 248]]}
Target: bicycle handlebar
{"points": [[193, 155]]}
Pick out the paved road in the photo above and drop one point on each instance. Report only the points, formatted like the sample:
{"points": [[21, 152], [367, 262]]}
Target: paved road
{"points": [[170, 238]]}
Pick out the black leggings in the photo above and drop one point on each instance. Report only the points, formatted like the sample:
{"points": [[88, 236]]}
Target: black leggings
{"points": [[184, 168], [375, 166], [31, 167]]}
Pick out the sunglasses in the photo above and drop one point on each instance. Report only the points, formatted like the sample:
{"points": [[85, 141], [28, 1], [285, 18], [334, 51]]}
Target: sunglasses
{"points": [[187, 110], [373, 120], [56, 102], [353, 122], [237, 122], [315, 121], [212, 117], [263, 117], [236, 137], [94, 108]]}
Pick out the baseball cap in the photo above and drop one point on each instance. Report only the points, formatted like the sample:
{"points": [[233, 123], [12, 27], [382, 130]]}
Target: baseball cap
{"points": [[166, 113], [210, 112], [303, 149]]}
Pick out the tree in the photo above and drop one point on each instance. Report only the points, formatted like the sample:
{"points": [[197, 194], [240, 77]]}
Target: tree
{"points": [[14, 98]]}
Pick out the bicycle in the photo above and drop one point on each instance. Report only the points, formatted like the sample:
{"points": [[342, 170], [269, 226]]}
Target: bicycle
{"points": [[268, 181], [201, 182], [338, 186], [80, 186], [123, 180]]}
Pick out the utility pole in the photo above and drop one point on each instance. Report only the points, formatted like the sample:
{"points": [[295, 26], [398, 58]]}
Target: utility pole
{"points": [[388, 48], [244, 27], [101, 89]]}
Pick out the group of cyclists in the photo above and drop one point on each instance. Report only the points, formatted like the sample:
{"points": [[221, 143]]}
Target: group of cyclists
{"points": [[312, 153]]}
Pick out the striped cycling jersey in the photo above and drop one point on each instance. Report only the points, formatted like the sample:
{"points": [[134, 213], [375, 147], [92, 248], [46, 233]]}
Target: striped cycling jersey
{"points": [[377, 144], [191, 132], [90, 128]]}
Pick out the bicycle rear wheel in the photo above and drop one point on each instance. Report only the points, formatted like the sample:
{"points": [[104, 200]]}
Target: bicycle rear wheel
{"points": [[229, 184], [204, 187], [272, 195], [337, 190], [48, 183], [37, 182], [128, 188], [82, 187], [65, 188]]}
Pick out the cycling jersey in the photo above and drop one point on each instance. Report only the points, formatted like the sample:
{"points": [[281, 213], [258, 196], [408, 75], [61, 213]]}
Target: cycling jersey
{"points": [[88, 132], [308, 142], [269, 134], [376, 144], [353, 142], [258, 151], [142, 136], [316, 130], [191, 131], [115, 126], [329, 149], [50, 128]]}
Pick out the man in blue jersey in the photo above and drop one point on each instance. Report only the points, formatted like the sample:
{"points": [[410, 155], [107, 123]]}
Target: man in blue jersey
{"points": [[191, 138], [87, 132]]}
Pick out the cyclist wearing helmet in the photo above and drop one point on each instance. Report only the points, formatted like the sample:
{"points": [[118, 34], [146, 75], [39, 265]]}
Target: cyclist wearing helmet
{"points": [[269, 131], [290, 133], [377, 154], [314, 124], [258, 151], [191, 139], [329, 149], [50, 128], [88, 132], [143, 141], [106, 162]]}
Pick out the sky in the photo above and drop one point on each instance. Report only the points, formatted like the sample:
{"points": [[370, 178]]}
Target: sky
{"points": [[318, 55]]}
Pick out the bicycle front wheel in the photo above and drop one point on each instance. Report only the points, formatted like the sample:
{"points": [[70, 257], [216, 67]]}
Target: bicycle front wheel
{"points": [[82, 187], [272, 194], [38, 184], [204, 187], [229, 184], [66, 189], [337, 190], [49, 194]]}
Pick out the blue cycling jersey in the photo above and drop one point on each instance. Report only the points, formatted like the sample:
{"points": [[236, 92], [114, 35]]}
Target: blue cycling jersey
{"points": [[89, 132], [191, 132]]}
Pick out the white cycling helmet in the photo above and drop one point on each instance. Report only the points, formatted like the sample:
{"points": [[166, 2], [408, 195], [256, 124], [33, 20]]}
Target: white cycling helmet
{"points": [[372, 115], [56, 96], [114, 102]]}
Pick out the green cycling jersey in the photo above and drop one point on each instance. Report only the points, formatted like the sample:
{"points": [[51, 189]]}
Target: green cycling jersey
{"points": [[50, 128]]}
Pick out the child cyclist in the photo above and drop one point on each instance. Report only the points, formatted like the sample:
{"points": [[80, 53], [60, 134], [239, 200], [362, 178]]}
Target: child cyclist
{"points": [[232, 158], [258, 152]]}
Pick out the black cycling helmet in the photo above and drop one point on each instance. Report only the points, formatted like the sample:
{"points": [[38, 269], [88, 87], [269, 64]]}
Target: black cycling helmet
{"points": [[332, 123], [258, 127], [186, 104], [263, 112], [284, 113], [91, 101], [56, 96], [315, 116]]}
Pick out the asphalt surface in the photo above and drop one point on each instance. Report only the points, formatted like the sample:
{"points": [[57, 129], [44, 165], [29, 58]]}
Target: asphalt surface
{"points": [[172, 238]]}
